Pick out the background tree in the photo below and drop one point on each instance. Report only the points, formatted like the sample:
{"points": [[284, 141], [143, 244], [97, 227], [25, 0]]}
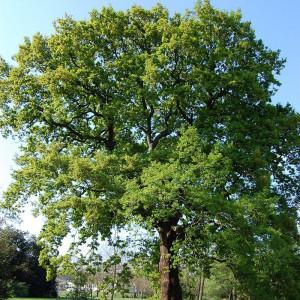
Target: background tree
{"points": [[21, 274], [162, 121], [116, 278], [79, 280], [141, 287], [7, 252], [221, 284], [145, 263]]}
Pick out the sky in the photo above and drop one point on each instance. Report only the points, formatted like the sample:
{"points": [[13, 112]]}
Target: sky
{"points": [[276, 22]]}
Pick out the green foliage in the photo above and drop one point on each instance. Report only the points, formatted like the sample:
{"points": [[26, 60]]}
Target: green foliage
{"points": [[78, 277], [220, 283], [162, 121], [20, 273], [116, 278], [6, 256], [145, 262], [20, 289]]}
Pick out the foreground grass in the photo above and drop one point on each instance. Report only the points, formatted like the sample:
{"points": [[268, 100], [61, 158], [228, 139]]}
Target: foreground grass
{"points": [[37, 298], [60, 298]]}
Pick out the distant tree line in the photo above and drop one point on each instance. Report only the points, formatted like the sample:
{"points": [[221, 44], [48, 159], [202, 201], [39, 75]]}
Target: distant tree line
{"points": [[20, 273]]}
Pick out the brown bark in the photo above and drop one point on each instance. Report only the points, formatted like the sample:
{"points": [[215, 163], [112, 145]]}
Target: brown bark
{"points": [[170, 288], [110, 142]]}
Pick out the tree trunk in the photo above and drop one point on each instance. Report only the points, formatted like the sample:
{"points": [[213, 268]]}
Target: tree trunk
{"points": [[114, 283], [170, 288], [232, 295], [201, 286]]}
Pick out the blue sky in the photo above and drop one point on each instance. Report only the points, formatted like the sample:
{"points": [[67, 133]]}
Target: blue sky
{"points": [[276, 22]]}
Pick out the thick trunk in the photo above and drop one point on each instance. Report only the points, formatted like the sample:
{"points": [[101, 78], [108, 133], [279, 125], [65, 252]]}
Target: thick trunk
{"points": [[170, 288]]}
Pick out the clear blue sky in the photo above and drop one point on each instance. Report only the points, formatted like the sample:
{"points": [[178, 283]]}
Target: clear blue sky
{"points": [[276, 22]]}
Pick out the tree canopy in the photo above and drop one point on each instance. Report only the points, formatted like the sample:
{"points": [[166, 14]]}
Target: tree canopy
{"points": [[163, 121]]}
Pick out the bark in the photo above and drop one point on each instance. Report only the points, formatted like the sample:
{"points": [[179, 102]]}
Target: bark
{"points": [[232, 295], [110, 142], [170, 288], [201, 286], [114, 283]]}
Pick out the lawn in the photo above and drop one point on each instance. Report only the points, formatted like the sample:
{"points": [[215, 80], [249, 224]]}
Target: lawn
{"points": [[36, 298], [117, 298]]}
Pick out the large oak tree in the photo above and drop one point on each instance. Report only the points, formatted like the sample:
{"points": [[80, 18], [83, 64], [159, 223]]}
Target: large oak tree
{"points": [[163, 121]]}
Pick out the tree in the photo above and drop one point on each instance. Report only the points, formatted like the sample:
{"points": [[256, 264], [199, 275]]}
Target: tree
{"points": [[220, 284], [79, 280], [6, 254], [28, 269], [116, 278], [161, 121], [20, 272]]}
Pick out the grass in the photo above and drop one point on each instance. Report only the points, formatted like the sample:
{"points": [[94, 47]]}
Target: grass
{"points": [[116, 298], [36, 298]]}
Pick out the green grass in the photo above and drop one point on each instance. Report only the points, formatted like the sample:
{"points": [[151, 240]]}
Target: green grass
{"points": [[116, 298], [60, 298], [33, 298]]}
